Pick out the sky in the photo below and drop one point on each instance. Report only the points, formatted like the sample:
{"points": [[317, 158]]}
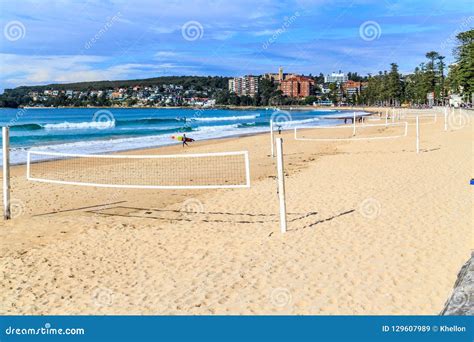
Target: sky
{"points": [[61, 41]]}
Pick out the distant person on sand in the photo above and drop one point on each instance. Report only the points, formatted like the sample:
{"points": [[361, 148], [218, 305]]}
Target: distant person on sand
{"points": [[279, 129], [186, 139], [183, 139]]}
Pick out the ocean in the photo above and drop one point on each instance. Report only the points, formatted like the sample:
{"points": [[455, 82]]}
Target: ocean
{"points": [[102, 130]]}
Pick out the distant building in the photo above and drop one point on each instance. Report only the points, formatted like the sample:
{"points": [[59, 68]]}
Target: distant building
{"points": [[325, 89], [278, 77], [116, 95], [246, 85], [336, 77], [297, 86], [323, 103], [352, 87]]}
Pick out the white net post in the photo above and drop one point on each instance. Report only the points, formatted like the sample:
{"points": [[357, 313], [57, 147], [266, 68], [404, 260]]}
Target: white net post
{"points": [[272, 139], [354, 124], [6, 173], [417, 134], [281, 184], [445, 118]]}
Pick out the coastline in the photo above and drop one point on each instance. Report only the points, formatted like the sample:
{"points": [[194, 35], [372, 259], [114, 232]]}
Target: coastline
{"points": [[356, 210], [111, 142], [296, 107]]}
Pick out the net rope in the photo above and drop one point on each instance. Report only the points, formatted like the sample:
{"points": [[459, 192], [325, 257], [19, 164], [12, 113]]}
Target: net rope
{"points": [[345, 132], [206, 170]]}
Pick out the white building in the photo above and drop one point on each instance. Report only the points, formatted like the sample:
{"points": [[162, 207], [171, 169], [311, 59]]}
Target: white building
{"points": [[336, 77], [455, 100]]}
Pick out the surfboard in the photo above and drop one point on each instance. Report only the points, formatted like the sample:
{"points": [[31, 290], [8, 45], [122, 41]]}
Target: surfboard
{"points": [[180, 138]]}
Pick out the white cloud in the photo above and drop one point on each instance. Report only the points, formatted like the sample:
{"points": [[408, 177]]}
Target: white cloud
{"points": [[263, 33], [19, 70], [223, 35], [163, 29], [165, 54]]}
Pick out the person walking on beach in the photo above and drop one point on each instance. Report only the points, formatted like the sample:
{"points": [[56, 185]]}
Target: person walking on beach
{"points": [[279, 129], [184, 140]]}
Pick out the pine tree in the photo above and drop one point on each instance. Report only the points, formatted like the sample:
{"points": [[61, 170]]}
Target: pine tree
{"points": [[461, 76]]}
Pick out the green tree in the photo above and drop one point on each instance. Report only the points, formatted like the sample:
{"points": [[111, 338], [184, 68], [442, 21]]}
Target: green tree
{"points": [[394, 86], [461, 76]]}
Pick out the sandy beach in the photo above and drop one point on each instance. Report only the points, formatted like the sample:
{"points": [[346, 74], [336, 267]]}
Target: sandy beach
{"points": [[374, 228]]}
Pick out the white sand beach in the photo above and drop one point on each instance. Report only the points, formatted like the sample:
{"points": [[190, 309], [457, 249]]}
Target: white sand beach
{"points": [[374, 228]]}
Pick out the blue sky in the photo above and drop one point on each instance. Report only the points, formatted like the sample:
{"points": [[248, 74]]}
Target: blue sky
{"points": [[62, 41]]}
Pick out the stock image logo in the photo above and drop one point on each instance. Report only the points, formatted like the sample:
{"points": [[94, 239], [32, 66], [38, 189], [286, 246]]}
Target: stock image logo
{"points": [[458, 119], [281, 117], [14, 30], [192, 30], [370, 30], [17, 208], [103, 119], [280, 297], [192, 206], [370, 208], [102, 296]]}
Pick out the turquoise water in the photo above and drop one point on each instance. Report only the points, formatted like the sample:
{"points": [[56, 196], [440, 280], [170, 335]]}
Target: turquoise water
{"points": [[95, 130]]}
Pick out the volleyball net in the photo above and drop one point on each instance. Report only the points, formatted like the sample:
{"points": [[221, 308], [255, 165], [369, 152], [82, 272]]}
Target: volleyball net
{"points": [[424, 116], [181, 171], [352, 132]]}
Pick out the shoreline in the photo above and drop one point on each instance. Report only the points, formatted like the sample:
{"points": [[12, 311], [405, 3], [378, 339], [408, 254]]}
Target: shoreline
{"points": [[223, 107]]}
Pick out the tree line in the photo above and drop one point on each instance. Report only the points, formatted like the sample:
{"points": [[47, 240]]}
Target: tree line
{"points": [[19, 96], [390, 88]]}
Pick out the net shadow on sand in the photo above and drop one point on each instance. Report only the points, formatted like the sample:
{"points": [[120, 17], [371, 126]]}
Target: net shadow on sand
{"points": [[200, 216], [312, 224], [80, 208]]}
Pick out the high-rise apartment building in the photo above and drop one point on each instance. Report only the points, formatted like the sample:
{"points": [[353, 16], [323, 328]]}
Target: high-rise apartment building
{"points": [[245, 85]]}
